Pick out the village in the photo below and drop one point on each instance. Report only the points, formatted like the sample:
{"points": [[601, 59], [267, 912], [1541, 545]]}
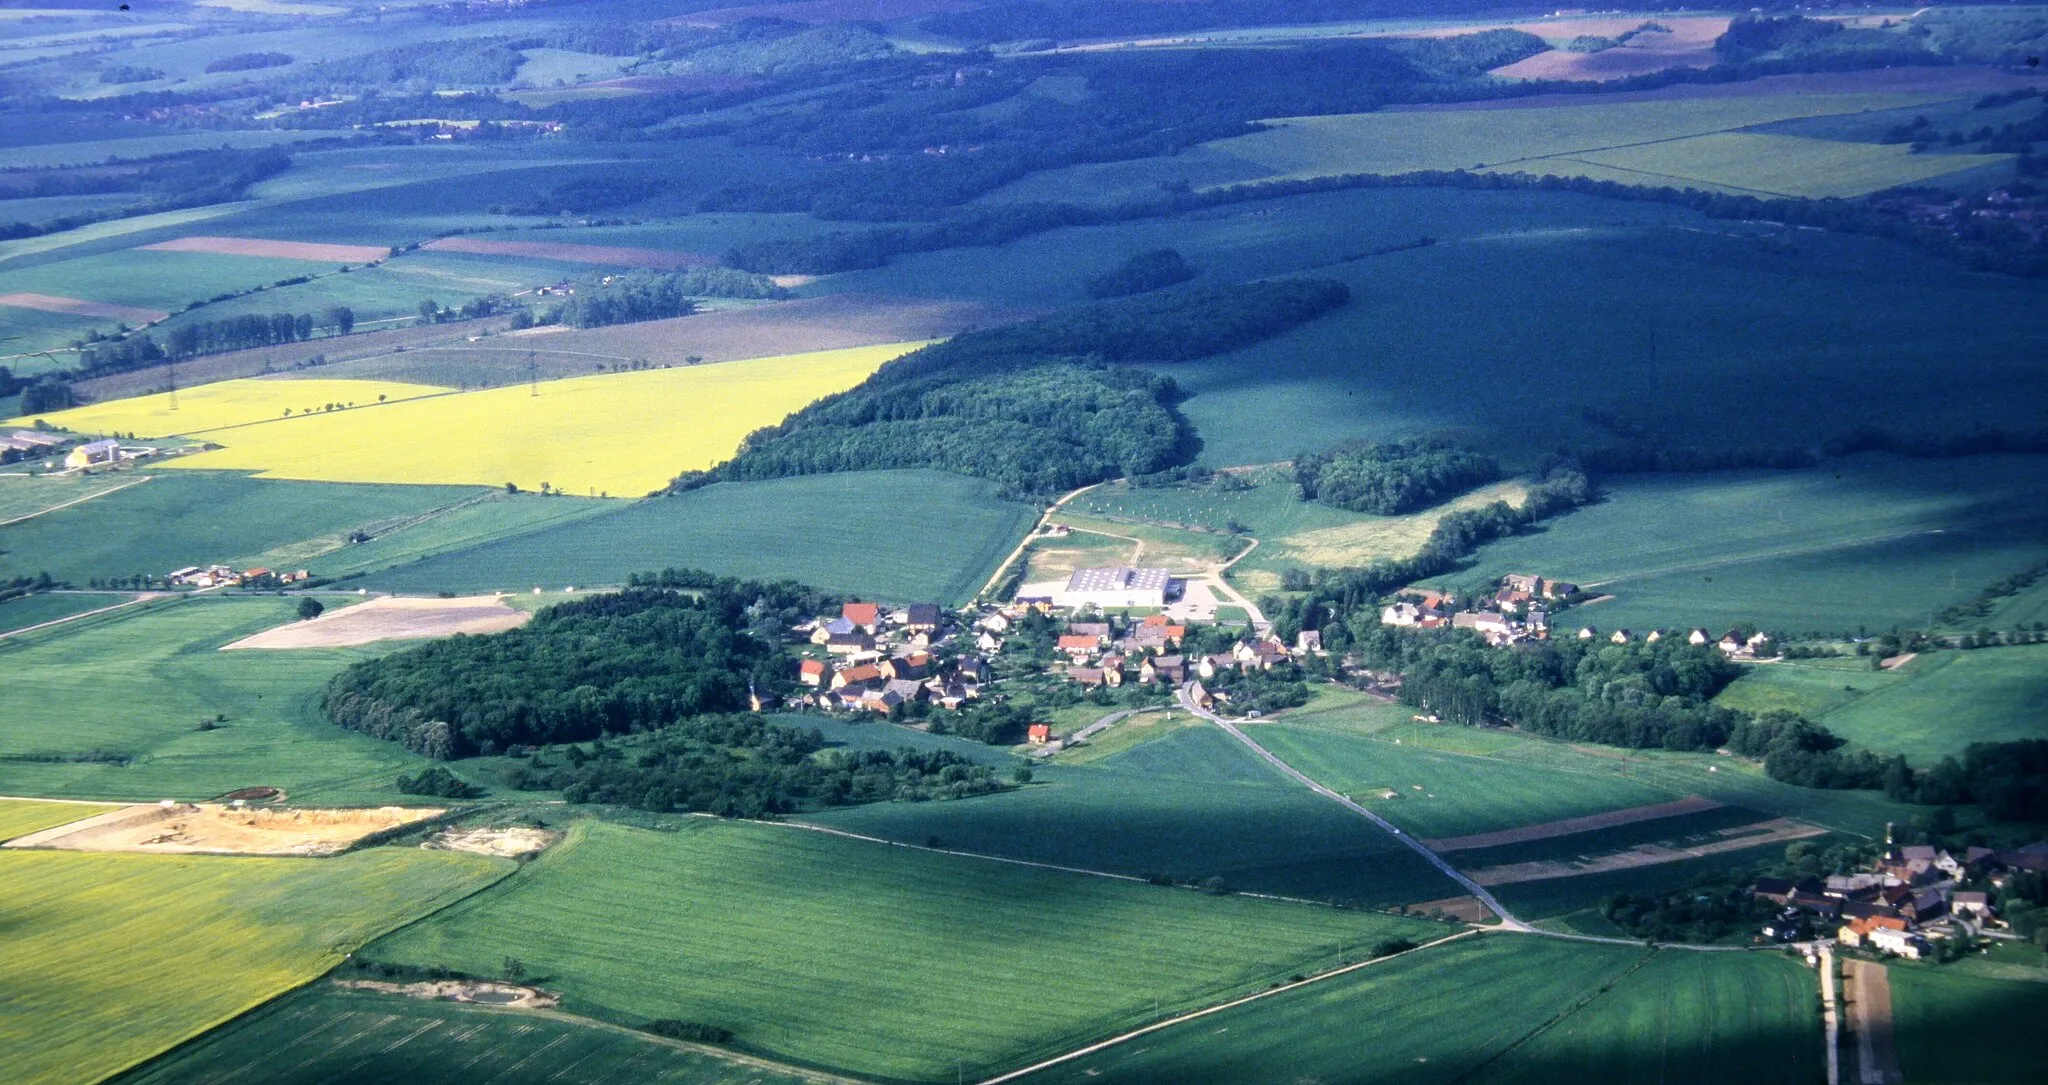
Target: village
{"points": [[1521, 610], [1911, 900]]}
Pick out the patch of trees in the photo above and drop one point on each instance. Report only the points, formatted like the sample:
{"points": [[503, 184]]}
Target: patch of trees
{"points": [[437, 781], [247, 62], [655, 295], [48, 393], [165, 183], [422, 67], [612, 664], [1146, 271], [99, 355], [694, 1031], [14, 587], [1817, 42], [742, 765], [116, 74], [1389, 479]]}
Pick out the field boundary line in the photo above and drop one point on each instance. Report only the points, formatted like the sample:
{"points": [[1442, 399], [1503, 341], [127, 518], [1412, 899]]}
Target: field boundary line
{"points": [[723, 1054], [1559, 1018], [1218, 1008], [79, 500], [69, 618]]}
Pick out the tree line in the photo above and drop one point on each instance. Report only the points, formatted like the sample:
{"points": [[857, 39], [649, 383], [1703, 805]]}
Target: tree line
{"points": [[164, 183], [196, 337], [653, 295], [1389, 479]]}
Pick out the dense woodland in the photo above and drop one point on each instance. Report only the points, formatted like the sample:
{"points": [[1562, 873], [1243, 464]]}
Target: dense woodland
{"points": [[1146, 271], [1389, 479]]}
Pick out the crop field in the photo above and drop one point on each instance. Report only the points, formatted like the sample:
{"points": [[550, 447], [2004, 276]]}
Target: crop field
{"points": [[1871, 541], [24, 495], [20, 817], [1570, 902], [467, 523], [74, 307], [1930, 1008], [199, 939], [610, 255], [225, 404], [1546, 140], [1767, 165], [46, 607], [1190, 804], [111, 710], [271, 248], [178, 519], [797, 942], [1525, 1010], [310, 1037], [149, 280], [27, 332], [841, 532], [1813, 687], [620, 434], [1948, 701]]}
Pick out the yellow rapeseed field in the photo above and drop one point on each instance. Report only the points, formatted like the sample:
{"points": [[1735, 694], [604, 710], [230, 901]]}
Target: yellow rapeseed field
{"points": [[619, 434], [114, 958], [227, 403]]}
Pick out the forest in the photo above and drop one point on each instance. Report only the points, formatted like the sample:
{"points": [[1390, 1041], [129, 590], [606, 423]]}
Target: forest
{"points": [[632, 661], [1390, 479]]}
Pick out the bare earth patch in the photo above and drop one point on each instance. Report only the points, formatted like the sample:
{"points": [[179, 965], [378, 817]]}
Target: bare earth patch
{"points": [[1691, 804], [507, 843], [1466, 908], [481, 992], [391, 619], [1642, 855], [615, 255], [51, 303], [1870, 992], [276, 250], [791, 327], [178, 828]]}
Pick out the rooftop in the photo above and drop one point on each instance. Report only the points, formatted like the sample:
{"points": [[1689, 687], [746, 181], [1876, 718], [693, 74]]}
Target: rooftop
{"points": [[1118, 578]]}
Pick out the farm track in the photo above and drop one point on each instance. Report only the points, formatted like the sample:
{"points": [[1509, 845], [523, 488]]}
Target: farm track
{"points": [[144, 597], [78, 500]]}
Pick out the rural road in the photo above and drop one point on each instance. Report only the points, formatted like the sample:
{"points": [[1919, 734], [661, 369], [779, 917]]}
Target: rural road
{"points": [[1043, 520]]}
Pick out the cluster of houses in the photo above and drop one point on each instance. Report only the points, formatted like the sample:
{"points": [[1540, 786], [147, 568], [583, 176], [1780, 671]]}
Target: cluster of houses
{"points": [[1520, 610], [879, 660], [1901, 905], [26, 444], [1100, 654], [222, 576]]}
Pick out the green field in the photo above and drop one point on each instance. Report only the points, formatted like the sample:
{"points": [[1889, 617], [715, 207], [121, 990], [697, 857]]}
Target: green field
{"points": [[1191, 805], [27, 495], [815, 948], [36, 609], [1500, 1008], [201, 518], [1948, 701], [1760, 164], [199, 940], [326, 1033], [1867, 542], [1959, 1030], [153, 279], [1573, 902], [20, 817], [897, 535], [111, 710]]}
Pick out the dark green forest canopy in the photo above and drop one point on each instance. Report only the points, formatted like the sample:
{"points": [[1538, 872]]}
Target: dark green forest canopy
{"points": [[1033, 406], [1388, 479], [610, 664]]}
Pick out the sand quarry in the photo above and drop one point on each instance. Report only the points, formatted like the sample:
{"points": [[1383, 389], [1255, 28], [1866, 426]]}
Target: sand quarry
{"points": [[179, 828], [391, 618], [508, 843]]}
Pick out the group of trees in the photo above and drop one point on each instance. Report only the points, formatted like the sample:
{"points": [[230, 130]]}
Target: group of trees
{"points": [[1388, 479], [655, 295], [610, 664], [162, 183], [195, 337], [741, 765], [1146, 271]]}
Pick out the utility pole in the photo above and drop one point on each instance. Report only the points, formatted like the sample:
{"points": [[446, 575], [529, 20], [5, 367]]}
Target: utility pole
{"points": [[532, 375], [171, 378]]}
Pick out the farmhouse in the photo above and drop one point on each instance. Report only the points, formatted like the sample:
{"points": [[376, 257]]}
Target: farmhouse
{"points": [[811, 672], [1116, 586], [921, 618], [94, 453], [866, 617]]}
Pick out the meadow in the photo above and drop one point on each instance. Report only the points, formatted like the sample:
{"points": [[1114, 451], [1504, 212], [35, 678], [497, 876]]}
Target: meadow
{"points": [[28, 332], [1189, 804], [1499, 1008], [1866, 542], [308, 1037], [619, 434], [200, 940], [1949, 701], [842, 532], [462, 525], [43, 607], [150, 279], [223, 405], [20, 817], [111, 709], [823, 966], [1960, 1029], [190, 518], [24, 495]]}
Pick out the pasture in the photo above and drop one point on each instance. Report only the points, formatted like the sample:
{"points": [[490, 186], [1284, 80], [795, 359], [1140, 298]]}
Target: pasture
{"points": [[310, 1037], [20, 817], [112, 709], [1499, 1008], [199, 940], [809, 947], [1954, 1028], [1948, 701], [620, 434], [841, 532], [1866, 542], [188, 518], [224, 405], [1189, 804]]}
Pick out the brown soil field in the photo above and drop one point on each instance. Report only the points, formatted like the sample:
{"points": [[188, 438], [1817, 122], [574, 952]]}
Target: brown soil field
{"points": [[1931, 80], [821, 11], [509, 843], [50, 303], [173, 828], [1870, 993], [390, 619], [258, 361], [615, 255], [1642, 855], [1641, 56], [1466, 908], [1691, 804], [478, 991], [278, 250]]}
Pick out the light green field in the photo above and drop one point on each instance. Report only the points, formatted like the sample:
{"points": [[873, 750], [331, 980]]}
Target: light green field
{"points": [[49, 607], [114, 958], [1812, 687], [1948, 701], [20, 817], [135, 685], [26, 495], [1695, 141], [1500, 1008], [152, 279], [1959, 1030], [853, 532], [817, 949], [316, 1036], [29, 331], [472, 522]]}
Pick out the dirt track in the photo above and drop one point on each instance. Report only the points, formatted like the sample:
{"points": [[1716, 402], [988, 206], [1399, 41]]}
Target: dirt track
{"points": [[1691, 804], [1644, 855], [1870, 993], [391, 619]]}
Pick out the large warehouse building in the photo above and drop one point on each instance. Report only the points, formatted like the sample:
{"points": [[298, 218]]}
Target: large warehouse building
{"points": [[1117, 586]]}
